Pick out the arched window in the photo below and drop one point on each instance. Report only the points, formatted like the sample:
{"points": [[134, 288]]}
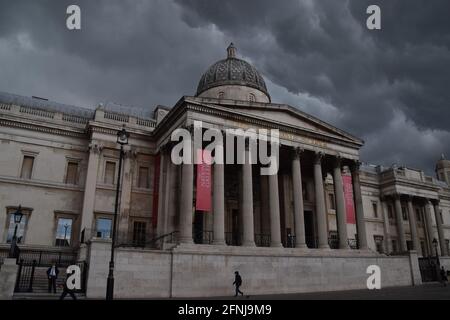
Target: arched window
{"points": [[251, 97], [220, 95]]}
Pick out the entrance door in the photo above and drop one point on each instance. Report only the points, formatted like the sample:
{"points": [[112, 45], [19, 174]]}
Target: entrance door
{"points": [[198, 227], [236, 228], [309, 230]]}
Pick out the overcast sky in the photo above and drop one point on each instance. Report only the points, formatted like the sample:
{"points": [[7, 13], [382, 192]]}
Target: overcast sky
{"points": [[389, 87]]}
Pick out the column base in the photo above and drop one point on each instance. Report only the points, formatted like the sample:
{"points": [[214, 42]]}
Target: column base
{"points": [[219, 243], [186, 241], [276, 245], [324, 246], [249, 244], [301, 246]]}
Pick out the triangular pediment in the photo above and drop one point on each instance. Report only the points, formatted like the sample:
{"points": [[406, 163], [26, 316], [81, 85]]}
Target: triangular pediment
{"points": [[284, 115]]}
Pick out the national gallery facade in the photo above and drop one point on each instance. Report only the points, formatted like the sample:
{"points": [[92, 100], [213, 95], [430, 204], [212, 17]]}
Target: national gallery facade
{"points": [[315, 225]]}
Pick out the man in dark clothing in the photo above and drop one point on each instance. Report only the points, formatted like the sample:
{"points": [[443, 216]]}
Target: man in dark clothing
{"points": [[237, 282], [66, 290], [444, 278], [52, 275]]}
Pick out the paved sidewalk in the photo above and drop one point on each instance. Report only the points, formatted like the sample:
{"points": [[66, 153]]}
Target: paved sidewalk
{"points": [[429, 291]]}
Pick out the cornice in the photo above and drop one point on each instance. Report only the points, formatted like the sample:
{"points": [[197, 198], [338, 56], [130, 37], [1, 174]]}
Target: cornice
{"points": [[43, 127], [41, 184], [183, 106]]}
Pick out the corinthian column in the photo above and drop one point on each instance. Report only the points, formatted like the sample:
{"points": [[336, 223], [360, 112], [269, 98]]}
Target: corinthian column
{"points": [[187, 197], [400, 227], [274, 207], [413, 225], [299, 218], [247, 200], [219, 201], [440, 230], [90, 187], [321, 213], [429, 226], [360, 224], [340, 205]]}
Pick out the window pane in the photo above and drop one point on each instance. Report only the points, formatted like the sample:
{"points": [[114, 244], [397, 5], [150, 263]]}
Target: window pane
{"points": [[143, 177], [104, 227], [20, 229], [375, 209], [110, 171], [27, 167], [72, 173], [63, 232], [139, 233]]}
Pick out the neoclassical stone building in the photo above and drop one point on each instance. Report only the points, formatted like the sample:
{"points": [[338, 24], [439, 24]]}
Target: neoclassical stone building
{"points": [[315, 225]]}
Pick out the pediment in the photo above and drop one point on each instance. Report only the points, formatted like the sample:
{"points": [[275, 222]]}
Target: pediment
{"points": [[285, 115]]}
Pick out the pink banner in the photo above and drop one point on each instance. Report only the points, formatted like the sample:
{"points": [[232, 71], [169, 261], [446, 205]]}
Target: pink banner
{"points": [[203, 194], [348, 194]]}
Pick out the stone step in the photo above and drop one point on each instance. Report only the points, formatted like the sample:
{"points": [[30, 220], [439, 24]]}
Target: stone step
{"points": [[44, 296]]}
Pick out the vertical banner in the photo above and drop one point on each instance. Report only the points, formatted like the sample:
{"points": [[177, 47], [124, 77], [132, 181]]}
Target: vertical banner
{"points": [[348, 194], [156, 190], [203, 195]]}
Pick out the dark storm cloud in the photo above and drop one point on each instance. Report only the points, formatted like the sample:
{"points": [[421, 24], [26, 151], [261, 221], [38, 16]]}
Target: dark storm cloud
{"points": [[389, 87]]}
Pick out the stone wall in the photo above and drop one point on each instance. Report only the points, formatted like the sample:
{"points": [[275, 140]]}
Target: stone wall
{"points": [[206, 271]]}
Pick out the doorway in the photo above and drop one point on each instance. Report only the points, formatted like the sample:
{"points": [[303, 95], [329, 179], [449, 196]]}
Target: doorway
{"points": [[309, 230]]}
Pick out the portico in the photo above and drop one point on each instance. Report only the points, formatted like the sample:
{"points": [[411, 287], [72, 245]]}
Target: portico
{"points": [[251, 209]]}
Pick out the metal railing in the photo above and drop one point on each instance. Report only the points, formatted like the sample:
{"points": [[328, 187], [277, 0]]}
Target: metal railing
{"points": [[203, 237], [262, 240], [233, 238], [47, 257]]}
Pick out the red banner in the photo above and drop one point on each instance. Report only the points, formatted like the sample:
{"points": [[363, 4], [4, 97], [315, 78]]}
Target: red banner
{"points": [[156, 190], [348, 194], [203, 194]]}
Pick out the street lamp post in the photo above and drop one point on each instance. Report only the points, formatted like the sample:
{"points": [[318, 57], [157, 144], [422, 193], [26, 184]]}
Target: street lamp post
{"points": [[122, 139], [17, 219]]}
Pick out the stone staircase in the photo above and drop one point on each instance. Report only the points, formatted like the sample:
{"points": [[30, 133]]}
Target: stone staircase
{"points": [[40, 286]]}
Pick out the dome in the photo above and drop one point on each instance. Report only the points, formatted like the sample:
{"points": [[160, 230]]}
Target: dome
{"points": [[232, 72], [443, 163]]}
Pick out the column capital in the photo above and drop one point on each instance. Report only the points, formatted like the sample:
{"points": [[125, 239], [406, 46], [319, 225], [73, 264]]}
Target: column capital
{"points": [[95, 147], [337, 163], [355, 165], [434, 202], [397, 196], [297, 152], [318, 156], [409, 197]]}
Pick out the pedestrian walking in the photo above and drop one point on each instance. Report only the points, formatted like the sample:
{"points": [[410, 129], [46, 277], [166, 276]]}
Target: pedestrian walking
{"points": [[237, 282], [444, 278]]}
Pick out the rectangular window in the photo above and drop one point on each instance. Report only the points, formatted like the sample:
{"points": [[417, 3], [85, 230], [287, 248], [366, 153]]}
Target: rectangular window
{"points": [[394, 246], [110, 172], [332, 203], [404, 213], [304, 191], [378, 243], [423, 247], [27, 167], [103, 228], [143, 177], [390, 211], [375, 209], [418, 215], [20, 229], [72, 173], [139, 233], [409, 245], [63, 232]]}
